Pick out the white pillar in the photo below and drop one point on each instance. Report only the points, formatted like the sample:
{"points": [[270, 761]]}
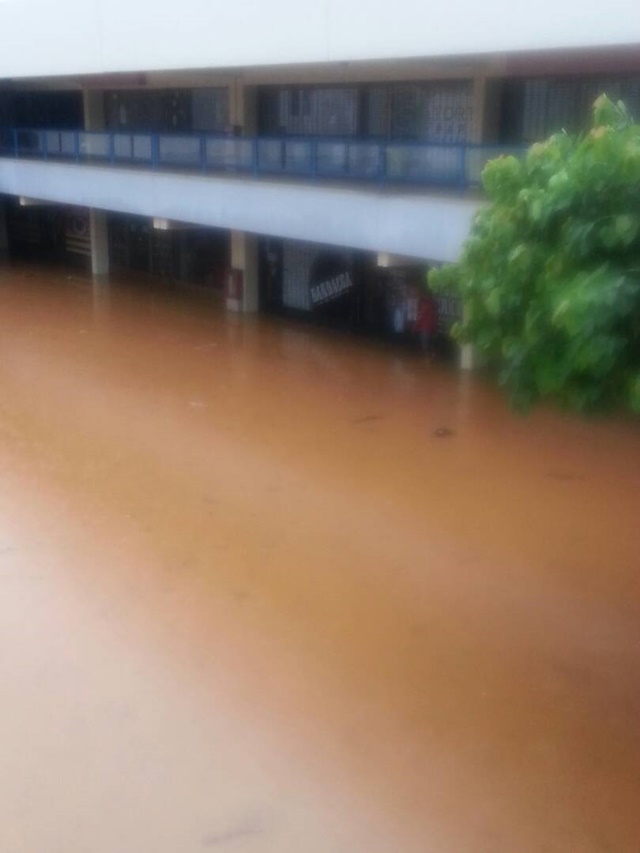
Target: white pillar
{"points": [[242, 290]]}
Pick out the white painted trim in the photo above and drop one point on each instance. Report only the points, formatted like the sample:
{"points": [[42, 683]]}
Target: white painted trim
{"points": [[417, 224]]}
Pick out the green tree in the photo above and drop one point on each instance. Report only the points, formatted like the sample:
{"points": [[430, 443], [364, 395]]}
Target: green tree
{"points": [[550, 275]]}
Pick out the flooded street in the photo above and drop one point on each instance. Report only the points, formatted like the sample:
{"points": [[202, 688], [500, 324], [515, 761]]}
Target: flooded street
{"points": [[267, 588]]}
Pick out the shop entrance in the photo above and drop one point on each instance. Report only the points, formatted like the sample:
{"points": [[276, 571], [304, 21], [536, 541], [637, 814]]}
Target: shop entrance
{"points": [[349, 289]]}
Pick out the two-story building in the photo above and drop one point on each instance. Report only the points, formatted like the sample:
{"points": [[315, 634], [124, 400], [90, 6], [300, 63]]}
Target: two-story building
{"points": [[306, 157]]}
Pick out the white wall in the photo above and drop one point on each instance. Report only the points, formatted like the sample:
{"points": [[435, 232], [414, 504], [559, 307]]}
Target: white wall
{"points": [[422, 226], [47, 37]]}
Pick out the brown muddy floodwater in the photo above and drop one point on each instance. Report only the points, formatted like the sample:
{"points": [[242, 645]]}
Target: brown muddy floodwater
{"points": [[266, 588]]}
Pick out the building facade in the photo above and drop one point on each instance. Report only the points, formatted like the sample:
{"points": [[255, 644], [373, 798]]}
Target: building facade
{"points": [[308, 158]]}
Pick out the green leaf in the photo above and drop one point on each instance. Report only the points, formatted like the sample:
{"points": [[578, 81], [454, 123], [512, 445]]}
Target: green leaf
{"points": [[626, 228], [550, 275], [634, 394]]}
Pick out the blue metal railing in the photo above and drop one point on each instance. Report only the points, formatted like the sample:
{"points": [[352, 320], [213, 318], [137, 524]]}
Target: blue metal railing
{"points": [[372, 161]]}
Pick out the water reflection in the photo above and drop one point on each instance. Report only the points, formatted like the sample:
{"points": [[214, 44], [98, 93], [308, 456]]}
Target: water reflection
{"points": [[101, 293]]}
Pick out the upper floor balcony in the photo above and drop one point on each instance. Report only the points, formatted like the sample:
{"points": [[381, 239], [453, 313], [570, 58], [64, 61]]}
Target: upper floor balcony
{"points": [[409, 199], [357, 161]]}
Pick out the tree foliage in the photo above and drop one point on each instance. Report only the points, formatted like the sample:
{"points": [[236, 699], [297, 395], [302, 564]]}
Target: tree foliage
{"points": [[550, 276]]}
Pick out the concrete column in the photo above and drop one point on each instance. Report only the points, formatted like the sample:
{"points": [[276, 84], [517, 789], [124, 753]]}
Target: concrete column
{"points": [[479, 105], [487, 93], [99, 242], [492, 102], [243, 110], [484, 130], [101, 293], [470, 358], [93, 103], [242, 292], [4, 237], [94, 119]]}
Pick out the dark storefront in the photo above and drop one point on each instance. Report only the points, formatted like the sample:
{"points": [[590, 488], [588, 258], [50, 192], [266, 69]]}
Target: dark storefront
{"points": [[61, 234], [192, 255], [51, 233], [344, 288]]}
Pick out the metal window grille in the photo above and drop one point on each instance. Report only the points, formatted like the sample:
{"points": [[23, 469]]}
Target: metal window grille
{"points": [[210, 109]]}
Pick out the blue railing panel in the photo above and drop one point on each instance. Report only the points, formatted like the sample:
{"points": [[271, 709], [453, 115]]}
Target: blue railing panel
{"points": [[337, 158], [333, 158], [29, 143], [179, 151], [94, 146], [365, 160], [141, 145], [433, 164], [122, 146], [285, 156], [229, 154], [298, 157], [270, 155], [58, 143], [314, 158]]}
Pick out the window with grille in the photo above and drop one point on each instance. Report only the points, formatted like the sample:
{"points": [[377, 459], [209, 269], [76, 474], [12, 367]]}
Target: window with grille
{"points": [[438, 111], [210, 109], [537, 107]]}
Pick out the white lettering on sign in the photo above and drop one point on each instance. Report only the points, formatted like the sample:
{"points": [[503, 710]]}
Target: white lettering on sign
{"points": [[327, 290]]}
